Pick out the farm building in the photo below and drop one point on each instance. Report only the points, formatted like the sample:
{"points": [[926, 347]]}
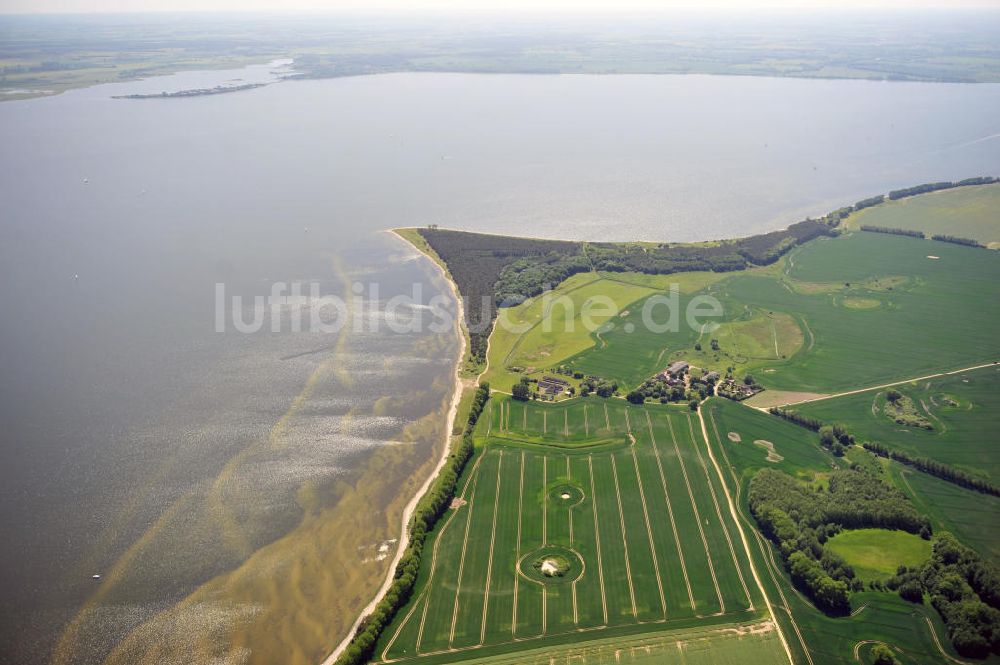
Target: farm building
{"points": [[551, 385], [677, 368]]}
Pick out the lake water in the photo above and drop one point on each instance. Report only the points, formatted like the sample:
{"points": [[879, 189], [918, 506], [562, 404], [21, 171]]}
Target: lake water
{"points": [[181, 463]]}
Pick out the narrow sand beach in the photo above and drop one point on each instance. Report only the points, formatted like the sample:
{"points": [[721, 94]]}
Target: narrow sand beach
{"points": [[404, 538]]}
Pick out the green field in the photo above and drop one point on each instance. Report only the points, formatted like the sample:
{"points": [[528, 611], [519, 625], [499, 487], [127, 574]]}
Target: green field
{"points": [[814, 638], [967, 212], [547, 331], [629, 504], [961, 408], [931, 314], [832, 318], [629, 491], [876, 553], [739, 427], [969, 515], [731, 644]]}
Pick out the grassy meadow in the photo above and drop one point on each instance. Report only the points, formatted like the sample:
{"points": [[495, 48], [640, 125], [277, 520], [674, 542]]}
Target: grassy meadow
{"points": [[876, 553], [548, 331], [967, 212]]}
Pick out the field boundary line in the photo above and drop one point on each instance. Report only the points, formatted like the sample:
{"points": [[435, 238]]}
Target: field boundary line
{"points": [[621, 517], [545, 500], [670, 513], [566, 423], [607, 418], [746, 546], [489, 565], [517, 557], [645, 514], [545, 422], [461, 563], [597, 537], [586, 423], [697, 517], [718, 510], [569, 510], [569, 514]]}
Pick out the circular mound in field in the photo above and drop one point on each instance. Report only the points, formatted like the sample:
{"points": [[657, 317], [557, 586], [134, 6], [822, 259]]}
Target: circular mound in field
{"points": [[565, 495], [552, 564], [861, 303]]}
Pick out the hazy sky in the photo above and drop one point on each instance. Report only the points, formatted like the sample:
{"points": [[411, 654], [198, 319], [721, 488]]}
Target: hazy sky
{"points": [[18, 6]]}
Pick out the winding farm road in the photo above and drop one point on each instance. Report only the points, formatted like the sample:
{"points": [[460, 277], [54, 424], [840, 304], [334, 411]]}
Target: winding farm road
{"points": [[746, 546]]}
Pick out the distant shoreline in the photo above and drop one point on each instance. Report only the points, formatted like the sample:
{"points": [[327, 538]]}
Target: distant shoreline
{"points": [[195, 92]]}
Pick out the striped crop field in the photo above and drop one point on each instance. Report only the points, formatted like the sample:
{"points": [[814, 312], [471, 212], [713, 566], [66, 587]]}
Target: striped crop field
{"points": [[582, 521]]}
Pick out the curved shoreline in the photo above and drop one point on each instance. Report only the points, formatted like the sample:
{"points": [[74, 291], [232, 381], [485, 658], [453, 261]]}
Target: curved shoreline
{"points": [[456, 397]]}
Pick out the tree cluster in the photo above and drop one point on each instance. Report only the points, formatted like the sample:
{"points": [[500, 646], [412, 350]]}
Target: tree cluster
{"points": [[521, 391], [800, 519], [431, 508], [598, 386], [934, 468], [965, 590], [656, 389], [835, 438], [883, 655]]}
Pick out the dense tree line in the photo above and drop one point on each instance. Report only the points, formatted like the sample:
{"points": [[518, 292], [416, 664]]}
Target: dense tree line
{"points": [[892, 231], [897, 194], [431, 508], [799, 419], [799, 519], [936, 186], [934, 468], [957, 240], [869, 202]]}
